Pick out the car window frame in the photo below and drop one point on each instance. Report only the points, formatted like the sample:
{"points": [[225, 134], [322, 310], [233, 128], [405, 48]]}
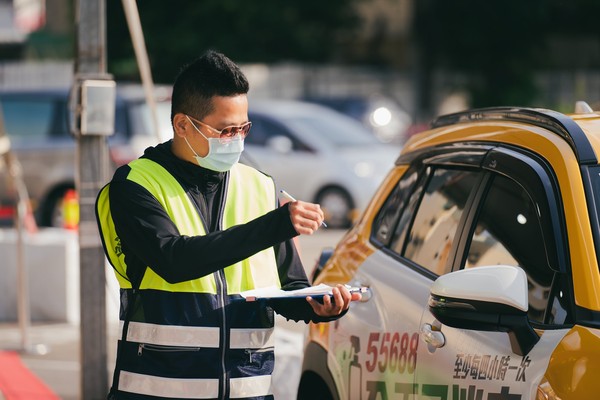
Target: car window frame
{"points": [[433, 169], [461, 155], [536, 176], [591, 179], [481, 156], [536, 168]]}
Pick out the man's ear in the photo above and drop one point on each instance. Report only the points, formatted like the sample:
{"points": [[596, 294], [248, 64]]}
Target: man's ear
{"points": [[180, 124]]}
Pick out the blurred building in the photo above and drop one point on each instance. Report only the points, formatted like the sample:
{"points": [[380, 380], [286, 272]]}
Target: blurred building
{"points": [[382, 58]]}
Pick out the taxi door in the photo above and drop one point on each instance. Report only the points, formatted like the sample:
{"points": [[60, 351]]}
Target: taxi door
{"points": [[462, 364], [511, 221], [374, 347]]}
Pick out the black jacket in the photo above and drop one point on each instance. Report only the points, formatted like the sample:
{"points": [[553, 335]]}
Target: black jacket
{"points": [[150, 238]]}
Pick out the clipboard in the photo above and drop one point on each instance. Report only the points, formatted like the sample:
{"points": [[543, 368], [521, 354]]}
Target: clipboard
{"points": [[316, 292]]}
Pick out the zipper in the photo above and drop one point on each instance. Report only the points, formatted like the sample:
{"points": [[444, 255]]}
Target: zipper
{"points": [[221, 291], [163, 348], [250, 352], [219, 275], [221, 287]]}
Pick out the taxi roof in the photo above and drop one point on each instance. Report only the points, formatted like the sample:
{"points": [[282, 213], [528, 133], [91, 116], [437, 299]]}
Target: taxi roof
{"points": [[580, 131]]}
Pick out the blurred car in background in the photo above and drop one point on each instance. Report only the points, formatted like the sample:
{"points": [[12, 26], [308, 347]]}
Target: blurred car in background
{"points": [[37, 123], [317, 154], [382, 115], [313, 152]]}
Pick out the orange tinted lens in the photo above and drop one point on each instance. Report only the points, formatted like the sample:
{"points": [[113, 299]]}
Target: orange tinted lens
{"points": [[231, 131], [246, 129]]}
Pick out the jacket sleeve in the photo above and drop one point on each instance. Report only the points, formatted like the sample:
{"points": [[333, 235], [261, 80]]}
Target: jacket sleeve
{"points": [[150, 238]]}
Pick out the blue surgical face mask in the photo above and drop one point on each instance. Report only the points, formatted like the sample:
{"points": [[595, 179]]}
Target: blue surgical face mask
{"points": [[222, 153]]}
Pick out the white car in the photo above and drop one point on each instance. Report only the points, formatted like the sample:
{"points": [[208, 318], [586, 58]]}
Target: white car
{"points": [[317, 154]]}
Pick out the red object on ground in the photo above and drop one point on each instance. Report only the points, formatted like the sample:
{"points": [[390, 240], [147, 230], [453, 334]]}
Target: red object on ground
{"points": [[19, 383]]}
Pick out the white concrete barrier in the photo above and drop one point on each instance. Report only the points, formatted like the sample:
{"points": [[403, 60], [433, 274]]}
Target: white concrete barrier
{"points": [[51, 257]]}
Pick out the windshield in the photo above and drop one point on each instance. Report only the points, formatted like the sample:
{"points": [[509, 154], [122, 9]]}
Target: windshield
{"points": [[337, 129]]}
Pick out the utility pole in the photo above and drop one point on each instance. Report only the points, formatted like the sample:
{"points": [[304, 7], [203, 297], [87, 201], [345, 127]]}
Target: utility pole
{"points": [[93, 104]]}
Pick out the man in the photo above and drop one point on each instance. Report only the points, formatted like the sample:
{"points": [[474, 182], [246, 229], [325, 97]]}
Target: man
{"points": [[187, 229]]}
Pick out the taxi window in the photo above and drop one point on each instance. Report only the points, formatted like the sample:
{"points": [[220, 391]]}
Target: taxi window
{"points": [[508, 231], [384, 224], [435, 224]]}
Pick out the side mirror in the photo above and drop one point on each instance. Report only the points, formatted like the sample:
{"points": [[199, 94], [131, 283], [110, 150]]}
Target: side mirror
{"points": [[491, 298], [281, 144]]}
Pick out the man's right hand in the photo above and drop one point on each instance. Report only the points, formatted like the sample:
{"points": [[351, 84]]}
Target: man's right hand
{"points": [[306, 217]]}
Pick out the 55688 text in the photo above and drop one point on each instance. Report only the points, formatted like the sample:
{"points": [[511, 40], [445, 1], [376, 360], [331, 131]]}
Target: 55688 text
{"points": [[393, 351]]}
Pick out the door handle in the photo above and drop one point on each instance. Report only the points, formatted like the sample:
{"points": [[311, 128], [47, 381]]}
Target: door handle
{"points": [[432, 336]]}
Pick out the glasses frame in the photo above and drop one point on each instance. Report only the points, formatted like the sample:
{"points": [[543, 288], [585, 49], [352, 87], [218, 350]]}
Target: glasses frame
{"points": [[239, 130]]}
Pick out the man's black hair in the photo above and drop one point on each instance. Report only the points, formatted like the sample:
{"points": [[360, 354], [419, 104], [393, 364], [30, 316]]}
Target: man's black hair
{"points": [[212, 74]]}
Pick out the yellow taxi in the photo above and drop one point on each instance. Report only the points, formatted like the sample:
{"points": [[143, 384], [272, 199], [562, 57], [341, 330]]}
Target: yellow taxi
{"points": [[481, 252]]}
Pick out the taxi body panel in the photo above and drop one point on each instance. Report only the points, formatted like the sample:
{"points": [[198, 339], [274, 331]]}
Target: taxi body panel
{"points": [[537, 165], [573, 369]]}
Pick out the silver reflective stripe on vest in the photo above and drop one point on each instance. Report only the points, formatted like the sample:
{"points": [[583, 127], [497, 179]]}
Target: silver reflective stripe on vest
{"points": [[251, 338], [168, 387], [170, 335], [255, 386]]}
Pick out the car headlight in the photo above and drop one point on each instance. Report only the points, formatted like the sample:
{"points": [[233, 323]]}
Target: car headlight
{"points": [[381, 116]]}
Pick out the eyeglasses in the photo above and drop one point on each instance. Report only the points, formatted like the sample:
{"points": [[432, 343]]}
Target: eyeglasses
{"points": [[228, 132]]}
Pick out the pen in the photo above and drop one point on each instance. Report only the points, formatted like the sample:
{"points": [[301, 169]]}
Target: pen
{"points": [[289, 196], [353, 289]]}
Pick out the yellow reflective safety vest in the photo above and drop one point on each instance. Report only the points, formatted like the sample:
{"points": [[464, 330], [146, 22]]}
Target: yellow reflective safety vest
{"points": [[250, 194], [194, 339]]}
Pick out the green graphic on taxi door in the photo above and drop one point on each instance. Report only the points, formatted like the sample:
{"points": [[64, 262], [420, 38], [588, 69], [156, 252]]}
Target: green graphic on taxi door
{"points": [[393, 355]]}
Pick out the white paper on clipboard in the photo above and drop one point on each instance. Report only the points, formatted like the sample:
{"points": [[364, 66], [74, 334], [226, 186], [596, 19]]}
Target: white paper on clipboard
{"points": [[276, 293]]}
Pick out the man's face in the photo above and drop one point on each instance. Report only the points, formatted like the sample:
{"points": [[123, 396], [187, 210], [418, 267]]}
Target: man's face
{"points": [[228, 111]]}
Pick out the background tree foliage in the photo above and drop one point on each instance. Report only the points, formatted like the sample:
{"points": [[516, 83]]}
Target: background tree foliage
{"points": [[177, 31], [499, 44]]}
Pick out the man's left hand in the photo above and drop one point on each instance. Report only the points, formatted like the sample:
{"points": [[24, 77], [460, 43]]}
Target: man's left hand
{"points": [[332, 307]]}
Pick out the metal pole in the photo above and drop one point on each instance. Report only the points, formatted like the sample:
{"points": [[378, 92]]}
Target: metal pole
{"points": [[139, 46], [92, 161], [15, 174], [23, 275]]}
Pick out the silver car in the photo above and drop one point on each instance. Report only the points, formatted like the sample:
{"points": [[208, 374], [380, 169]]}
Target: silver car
{"points": [[317, 154], [37, 123]]}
